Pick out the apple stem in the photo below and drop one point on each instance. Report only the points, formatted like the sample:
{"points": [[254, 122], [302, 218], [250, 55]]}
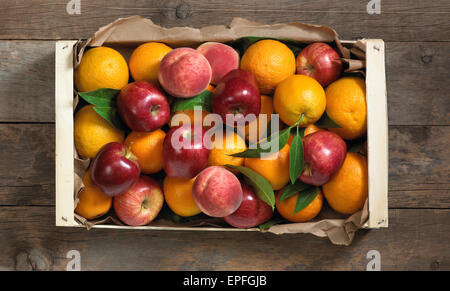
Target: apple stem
{"points": [[129, 154], [236, 111], [154, 110], [307, 169], [145, 203]]}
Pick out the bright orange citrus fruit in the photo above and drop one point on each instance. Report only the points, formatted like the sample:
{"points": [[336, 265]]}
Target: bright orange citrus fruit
{"points": [[178, 195], [299, 97], [101, 67], [92, 202], [275, 167], [346, 105], [270, 61], [287, 206], [148, 149], [311, 128], [347, 190], [145, 59], [222, 150], [92, 132]]}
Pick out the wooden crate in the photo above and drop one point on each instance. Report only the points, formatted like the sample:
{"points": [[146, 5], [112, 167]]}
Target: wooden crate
{"points": [[377, 139]]}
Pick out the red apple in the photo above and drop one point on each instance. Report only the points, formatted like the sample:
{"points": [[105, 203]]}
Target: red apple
{"points": [[237, 94], [140, 204], [185, 151], [319, 61], [217, 192], [252, 211], [115, 169], [143, 106], [324, 154]]}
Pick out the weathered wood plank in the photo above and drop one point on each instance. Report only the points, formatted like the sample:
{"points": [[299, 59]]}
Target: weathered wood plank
{"points": [[27, 84], [418, 170], [27, 170], [417, 80], [415, 240], [404, 20], [417, 83]]}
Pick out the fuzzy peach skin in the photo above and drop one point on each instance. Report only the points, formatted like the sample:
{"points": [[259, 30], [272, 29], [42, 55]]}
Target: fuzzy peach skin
{"points": [[184, 72], [221, 57], [217, 192]]}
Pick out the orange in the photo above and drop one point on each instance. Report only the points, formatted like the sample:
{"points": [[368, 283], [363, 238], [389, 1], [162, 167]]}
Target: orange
{"points": [[222, 150], [92, 202], [145, 60], [275, 167], [101, 67], [298, 96], [257, 124], [178, 195], [347, 190], [346, 104], [148, 149], [270, 61], [287, 206], [92, 132], [311, 128]]}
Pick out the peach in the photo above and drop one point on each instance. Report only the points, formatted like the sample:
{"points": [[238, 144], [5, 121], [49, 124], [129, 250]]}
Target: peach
{"points": [[217, 192], [221, 57], [184, 72]]}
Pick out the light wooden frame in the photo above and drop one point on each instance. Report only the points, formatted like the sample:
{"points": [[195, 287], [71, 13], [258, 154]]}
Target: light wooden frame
{"points": [[377, 139]]}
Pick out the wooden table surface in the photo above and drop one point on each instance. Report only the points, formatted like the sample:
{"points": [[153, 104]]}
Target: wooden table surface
{"points": [[417, 36]]}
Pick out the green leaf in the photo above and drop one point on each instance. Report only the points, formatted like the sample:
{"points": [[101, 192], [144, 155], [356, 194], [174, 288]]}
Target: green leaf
{"points": [[102, 97], [296, 157], [203, 100], [111, 115], [305, 197], [326, 122], [293, 189], [264, 147], [355, 146], [270, 223], [104, 101], [261, 186]]}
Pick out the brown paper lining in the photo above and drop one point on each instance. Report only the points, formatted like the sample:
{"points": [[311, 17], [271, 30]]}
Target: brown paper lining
{"points": [[135, 30]]}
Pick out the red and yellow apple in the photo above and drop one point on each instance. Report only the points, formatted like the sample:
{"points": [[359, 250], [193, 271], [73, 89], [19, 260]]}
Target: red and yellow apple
{"points": [[140, 204]]}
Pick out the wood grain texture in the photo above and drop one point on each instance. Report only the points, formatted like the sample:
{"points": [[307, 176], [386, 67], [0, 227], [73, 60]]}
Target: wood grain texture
{"points": [[417, 35], [404, 20], [419, 171], [415, 240], [27, 170], [417, 82], [27, 81], [417, 86]]}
